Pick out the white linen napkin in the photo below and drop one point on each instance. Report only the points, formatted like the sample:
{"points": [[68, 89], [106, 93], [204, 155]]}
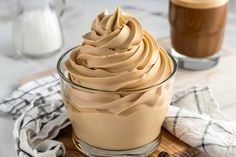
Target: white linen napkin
{"points": [[194, 117]]}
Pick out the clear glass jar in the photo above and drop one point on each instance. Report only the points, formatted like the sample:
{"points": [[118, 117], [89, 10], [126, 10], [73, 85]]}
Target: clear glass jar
{"points": [[37, 31], [130, 125]]}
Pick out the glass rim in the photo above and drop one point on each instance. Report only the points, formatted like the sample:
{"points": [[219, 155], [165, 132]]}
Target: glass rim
{"points": [[66, 79]]}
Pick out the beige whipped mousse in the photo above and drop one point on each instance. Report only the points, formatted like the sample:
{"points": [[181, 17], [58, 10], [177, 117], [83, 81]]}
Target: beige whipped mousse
{"points": [[117, 55]]}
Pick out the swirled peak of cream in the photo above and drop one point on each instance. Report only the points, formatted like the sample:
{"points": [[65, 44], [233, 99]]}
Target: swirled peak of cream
{"points": [[117, 54]]}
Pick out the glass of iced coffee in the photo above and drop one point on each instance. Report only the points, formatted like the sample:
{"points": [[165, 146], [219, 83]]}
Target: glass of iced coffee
{"points": [[116, 88], [197, 31]]}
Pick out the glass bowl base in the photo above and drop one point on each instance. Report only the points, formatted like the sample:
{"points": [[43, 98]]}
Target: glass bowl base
{"points": [[92, 151]]}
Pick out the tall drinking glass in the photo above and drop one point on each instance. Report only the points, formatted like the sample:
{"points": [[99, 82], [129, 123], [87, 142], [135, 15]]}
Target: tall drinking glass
{"points": [[197, 31]]}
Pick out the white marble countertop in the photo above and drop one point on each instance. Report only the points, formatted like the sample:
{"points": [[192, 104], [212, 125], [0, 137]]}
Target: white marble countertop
{"points": [[77, 21]]}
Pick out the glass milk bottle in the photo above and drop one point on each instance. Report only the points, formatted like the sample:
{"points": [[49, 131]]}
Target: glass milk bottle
{"points": [[37, 30]]}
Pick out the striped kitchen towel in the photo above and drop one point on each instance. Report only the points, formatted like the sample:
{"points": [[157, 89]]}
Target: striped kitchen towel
{"points": [[193, 117]]}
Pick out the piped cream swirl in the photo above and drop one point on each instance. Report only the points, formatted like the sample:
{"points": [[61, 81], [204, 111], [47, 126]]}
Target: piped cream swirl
{"points": [[117, 54]]}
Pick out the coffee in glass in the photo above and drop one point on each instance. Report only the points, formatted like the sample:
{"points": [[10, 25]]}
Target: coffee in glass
{"points": [[197, 30]]}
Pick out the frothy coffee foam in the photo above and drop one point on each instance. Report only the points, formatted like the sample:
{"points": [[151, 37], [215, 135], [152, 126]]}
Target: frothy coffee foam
{"points": [[200, 4]]}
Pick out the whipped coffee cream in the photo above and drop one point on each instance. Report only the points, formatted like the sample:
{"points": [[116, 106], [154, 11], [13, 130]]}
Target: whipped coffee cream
{"points": [[118, 54], [115, 61]]}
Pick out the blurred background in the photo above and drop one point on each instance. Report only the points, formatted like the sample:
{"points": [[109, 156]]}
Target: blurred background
{"points": [[76, 20]]}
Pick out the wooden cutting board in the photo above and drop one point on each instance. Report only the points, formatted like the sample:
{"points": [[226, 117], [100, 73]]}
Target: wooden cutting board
{"points": [[221, 78]]}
